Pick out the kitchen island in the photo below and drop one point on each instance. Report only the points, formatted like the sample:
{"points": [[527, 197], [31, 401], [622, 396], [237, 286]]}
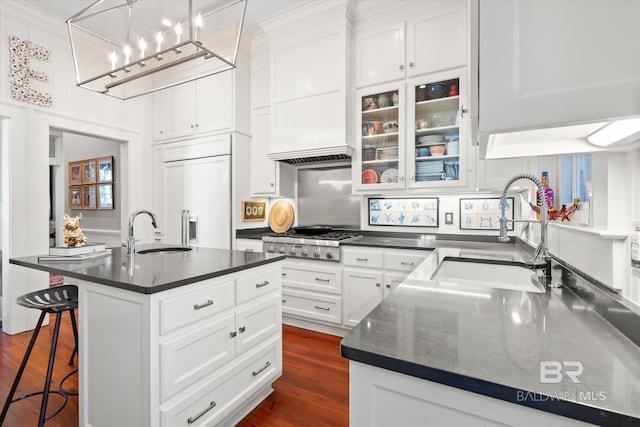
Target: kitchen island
{"points": [[447, 354], [174, 338]]}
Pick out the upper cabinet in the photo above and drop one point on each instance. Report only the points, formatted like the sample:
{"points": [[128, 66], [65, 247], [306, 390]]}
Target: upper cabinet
{"points": [[551, 63], [310, 69], [416, 138], [435, 41], [212, 104]]}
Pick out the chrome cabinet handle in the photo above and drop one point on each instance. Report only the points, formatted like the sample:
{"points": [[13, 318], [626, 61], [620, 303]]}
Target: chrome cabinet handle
{"points": [[411, 64], [241, 329], [377, 285], [260, 285], [203, 305], [462, 111], [406, 263], [388, 286], [256, 373], [401, 178], [401, 67], [233, 334], [321, 308], [192, 420], [362, 259], [319, 279], [284, 301]]}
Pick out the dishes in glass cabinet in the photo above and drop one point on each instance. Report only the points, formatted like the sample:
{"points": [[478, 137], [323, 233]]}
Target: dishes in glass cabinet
{"points": [[369, 177], [389, 176]]}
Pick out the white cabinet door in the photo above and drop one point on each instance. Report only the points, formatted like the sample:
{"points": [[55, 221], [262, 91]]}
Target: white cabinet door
{"points": [[262, 170], [549, 63], [258, 321], [201, 186], [362, 291], [209, 194], [214, 102], [438, 40], [180, 109], [392, 280], [380, 56]]}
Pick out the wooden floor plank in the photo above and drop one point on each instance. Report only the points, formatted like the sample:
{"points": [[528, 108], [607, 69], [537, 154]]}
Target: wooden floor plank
{"points": [[312, 391]]}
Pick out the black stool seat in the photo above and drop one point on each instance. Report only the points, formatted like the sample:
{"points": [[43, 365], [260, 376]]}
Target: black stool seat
{"points": [[50, 300]]}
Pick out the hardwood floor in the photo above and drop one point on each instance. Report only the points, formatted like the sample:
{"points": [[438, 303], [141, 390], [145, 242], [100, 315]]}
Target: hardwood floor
{"points": [[313, 390]]}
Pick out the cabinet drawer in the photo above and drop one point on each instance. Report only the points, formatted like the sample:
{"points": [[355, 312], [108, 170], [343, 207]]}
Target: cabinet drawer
{"points": [[196, 305], [310, 305], [210, 404], [403, 261], [257, 284], [191, 356], [361, 257], [321, 281], [257, 322]]}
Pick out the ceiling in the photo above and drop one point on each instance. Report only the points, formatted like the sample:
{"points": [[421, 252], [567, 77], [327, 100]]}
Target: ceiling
{"points": [[256, 9]]}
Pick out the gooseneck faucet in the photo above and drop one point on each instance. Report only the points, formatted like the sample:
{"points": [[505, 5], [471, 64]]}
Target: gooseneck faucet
{"points": [[130, 244], [542, 251]]}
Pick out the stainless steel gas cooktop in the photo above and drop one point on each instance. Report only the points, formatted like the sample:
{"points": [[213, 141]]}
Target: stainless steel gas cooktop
{"points": [[323, 246]]}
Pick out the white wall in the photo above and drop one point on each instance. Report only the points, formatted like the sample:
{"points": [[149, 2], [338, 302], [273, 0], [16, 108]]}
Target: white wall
{"points": [[26, 146]]}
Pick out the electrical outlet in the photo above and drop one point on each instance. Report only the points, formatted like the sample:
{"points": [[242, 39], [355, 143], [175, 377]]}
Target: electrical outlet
{"points": [[448, 218]]}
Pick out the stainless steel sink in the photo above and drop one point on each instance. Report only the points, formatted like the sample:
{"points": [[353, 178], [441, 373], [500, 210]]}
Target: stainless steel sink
{"points": [[169, 249], [512, 276]]}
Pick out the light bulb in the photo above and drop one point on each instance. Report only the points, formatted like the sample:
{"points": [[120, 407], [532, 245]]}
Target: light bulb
{"points": [[178, 32], [159, 41], [198, 22], [143, 45], [114, 59], [127, 53]]}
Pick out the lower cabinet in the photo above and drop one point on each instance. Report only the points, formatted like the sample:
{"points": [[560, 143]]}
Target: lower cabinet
{"points": [[312, 290], [380, 397], [201, 354], [370, 274]]}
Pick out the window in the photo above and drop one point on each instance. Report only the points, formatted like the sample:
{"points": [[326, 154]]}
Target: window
{"points": [[575, 181]]}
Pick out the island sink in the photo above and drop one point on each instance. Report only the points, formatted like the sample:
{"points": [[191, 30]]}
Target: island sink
{"points": [[512, 276], [160, 250]]}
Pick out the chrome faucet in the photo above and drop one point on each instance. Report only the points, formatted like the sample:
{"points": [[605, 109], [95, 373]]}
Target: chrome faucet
{"points": [[130, 243], [542, 251]]}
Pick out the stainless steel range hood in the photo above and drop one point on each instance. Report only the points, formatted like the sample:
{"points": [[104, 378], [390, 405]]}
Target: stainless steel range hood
{"points": [[313, 155]]}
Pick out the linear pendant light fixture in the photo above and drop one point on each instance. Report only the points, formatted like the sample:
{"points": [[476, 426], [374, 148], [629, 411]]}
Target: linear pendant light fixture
{"points": [[615, 132], [129, 48]]}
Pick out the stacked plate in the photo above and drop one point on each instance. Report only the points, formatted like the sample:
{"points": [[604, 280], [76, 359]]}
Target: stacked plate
{"points": [[431, 139], [388, 153], [430, 168]]}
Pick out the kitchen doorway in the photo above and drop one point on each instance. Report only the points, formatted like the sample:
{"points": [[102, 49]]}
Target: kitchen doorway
{"points": [[98, 225]]}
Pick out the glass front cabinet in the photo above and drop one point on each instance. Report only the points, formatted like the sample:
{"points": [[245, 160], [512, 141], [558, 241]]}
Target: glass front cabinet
{"points": [[380, 155], [420, 149]]}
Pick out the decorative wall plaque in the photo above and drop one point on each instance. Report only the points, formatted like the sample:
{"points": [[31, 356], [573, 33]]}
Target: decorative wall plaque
{"points": [[20, 72]]}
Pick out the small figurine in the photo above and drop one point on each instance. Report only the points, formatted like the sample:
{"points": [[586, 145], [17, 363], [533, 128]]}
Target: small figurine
{"points": [[73, 235], [563, 214]]}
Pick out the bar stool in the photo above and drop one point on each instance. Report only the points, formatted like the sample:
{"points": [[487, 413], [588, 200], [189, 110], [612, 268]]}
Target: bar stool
{"points": [[51, 300]]}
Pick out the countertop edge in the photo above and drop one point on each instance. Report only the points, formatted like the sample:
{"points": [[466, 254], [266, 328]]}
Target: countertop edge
{"points": [[505, 393], [50, 268]]}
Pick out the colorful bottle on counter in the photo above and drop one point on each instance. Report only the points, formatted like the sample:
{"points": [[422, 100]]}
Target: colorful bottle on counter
{"points": [[547, 190]]}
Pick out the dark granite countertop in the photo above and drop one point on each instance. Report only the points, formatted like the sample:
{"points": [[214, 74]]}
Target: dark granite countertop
{"points": [[156, 272], [492, 341]]}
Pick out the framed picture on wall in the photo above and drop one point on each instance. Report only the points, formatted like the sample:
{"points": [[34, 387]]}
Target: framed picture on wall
{"points": [[105, 169], [89, 196], [105, 196], [75, 173], [89, 171], [75, 197]]}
